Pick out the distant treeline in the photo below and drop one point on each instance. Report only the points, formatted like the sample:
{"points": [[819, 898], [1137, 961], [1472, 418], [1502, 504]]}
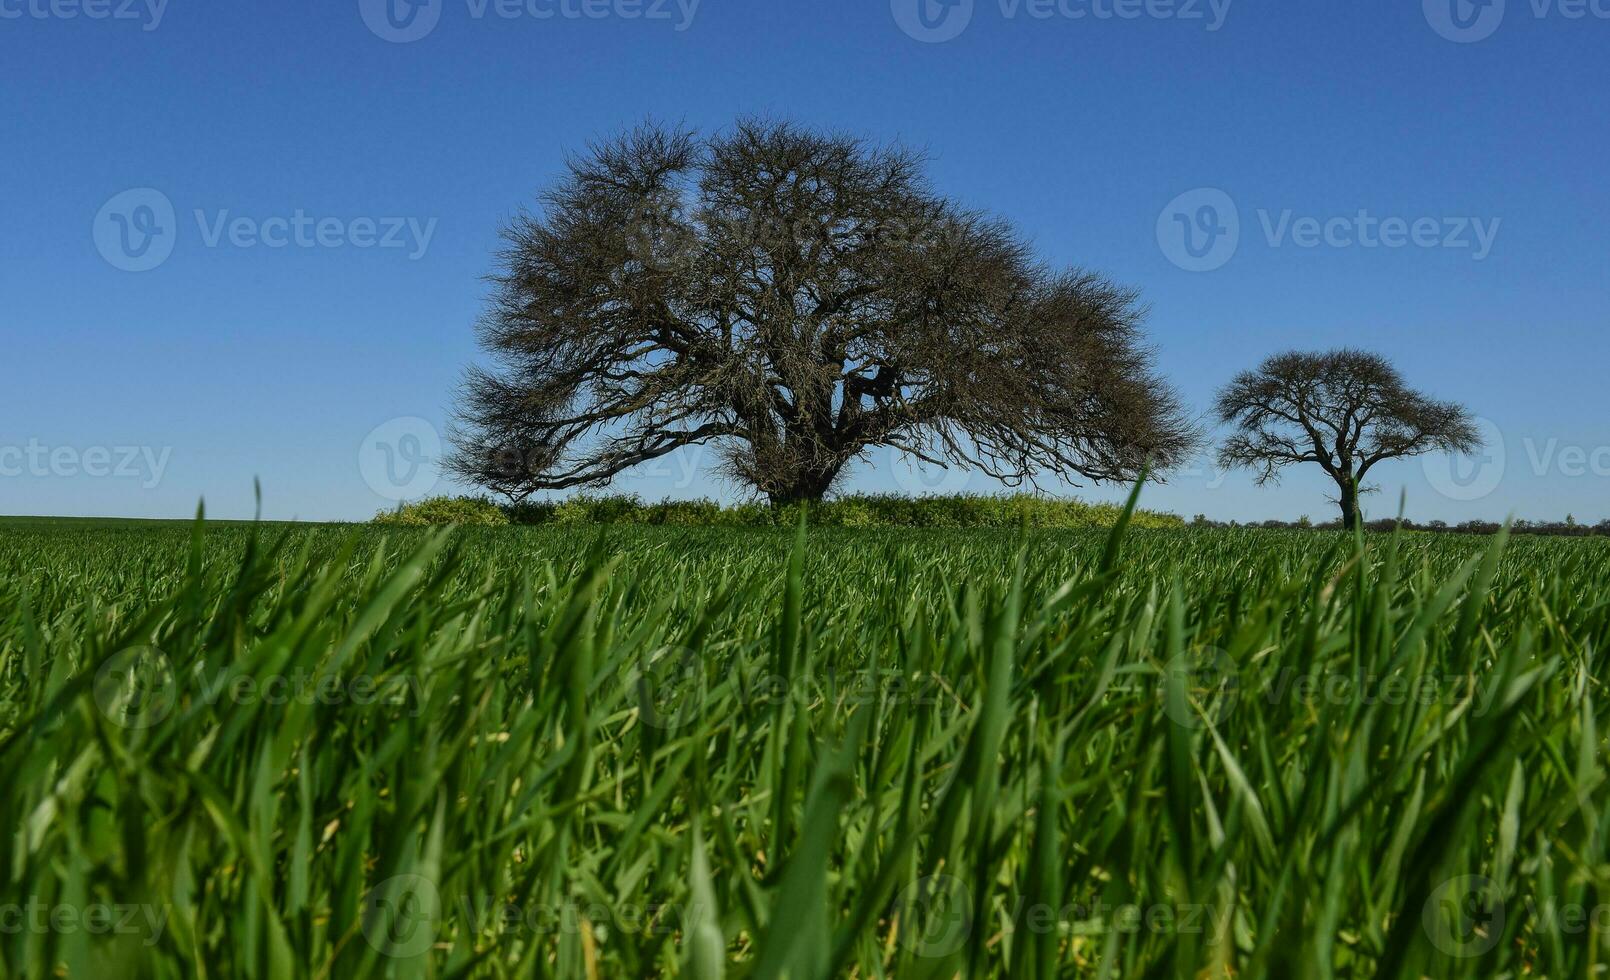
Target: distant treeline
{"points": [[1567, 528], [887, 510], [960, 511]]}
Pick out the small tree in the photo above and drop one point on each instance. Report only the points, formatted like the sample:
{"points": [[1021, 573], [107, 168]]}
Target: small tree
{"points": [[1346, 410], [795, 298]]}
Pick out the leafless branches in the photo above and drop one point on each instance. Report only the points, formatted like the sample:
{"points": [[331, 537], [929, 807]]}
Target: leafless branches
{"points": [[1345, 410], [795, 298]]}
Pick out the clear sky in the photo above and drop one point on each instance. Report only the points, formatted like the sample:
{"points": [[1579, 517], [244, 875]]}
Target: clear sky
{"points": [[338, 171]]}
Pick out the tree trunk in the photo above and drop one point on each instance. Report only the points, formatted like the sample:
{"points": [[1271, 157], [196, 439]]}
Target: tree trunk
{"points": [[1349, 502], [809, 486]]}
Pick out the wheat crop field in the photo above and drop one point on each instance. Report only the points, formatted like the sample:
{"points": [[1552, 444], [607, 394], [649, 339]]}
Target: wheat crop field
{"points": [[238, 750]]}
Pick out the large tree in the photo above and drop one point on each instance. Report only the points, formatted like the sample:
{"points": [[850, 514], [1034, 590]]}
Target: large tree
{"points": [[795, 298], [1346, 410]]}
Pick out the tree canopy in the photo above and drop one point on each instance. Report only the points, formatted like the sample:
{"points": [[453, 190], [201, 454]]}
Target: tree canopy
{"points": [[795, 298], [1346, 410]]}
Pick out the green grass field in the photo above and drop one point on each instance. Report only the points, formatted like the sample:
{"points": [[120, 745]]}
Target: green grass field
{"points": [[343, 752]]}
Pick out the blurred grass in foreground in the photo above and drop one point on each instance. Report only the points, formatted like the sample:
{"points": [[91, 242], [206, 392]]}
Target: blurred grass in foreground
{"points": [[338, 752]]}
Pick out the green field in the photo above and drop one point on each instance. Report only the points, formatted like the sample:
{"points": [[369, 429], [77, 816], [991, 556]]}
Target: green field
{"points": [[621, 752]]}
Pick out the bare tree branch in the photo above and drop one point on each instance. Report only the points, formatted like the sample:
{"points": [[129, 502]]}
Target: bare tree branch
{"points": [[1346, 410], [795, 298]]}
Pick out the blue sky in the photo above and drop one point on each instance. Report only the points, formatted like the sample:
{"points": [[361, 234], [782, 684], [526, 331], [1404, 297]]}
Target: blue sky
{"points": [[336, 191]]}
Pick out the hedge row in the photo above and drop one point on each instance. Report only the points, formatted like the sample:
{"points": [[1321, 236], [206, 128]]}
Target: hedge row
{"points": [[439, 511], [1567, 528], [852, 511]]}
